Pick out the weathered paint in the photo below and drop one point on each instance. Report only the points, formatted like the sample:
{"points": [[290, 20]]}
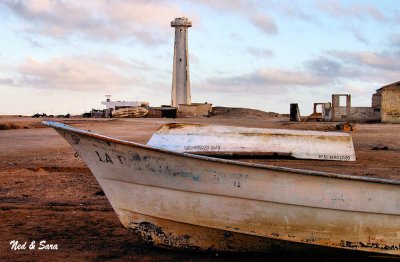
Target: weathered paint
{"points": [[215, 195], [229, 140], [176, 235], [168, 233]]}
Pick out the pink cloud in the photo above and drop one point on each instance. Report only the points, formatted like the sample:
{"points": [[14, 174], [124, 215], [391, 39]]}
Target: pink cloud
{"points": [[146, 21], [77, 73], [351, 10], [245, 8], [386, 61]]}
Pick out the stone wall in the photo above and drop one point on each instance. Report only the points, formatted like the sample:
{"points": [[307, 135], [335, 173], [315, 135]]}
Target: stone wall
{"points": [[339, 113], [364, 114], [160, 112], [390, 105], [376, 100], [194, 109], [357, 114]]}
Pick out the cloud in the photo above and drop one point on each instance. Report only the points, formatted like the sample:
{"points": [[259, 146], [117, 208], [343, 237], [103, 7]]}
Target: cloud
{"points": [[264, 23], [376, 14], [248, 9], [354, 14], [343, 67], [383, 60], [260, 52], [351, 10], [332, 69], [270, 80], [358, 35], [286, 77], [146, 21], [7, 81], [324, 67], [33, 43], [294, 11], [77, 73], [395, 40]]}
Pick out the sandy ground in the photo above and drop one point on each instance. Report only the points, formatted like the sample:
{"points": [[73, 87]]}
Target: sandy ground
{"points": [[48, 194]]}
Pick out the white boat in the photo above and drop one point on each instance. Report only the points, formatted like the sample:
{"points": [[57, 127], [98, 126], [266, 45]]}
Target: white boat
{"points": [[187, 201], [217, 140]]}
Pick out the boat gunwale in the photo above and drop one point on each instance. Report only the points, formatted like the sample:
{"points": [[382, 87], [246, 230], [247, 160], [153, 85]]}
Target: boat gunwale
{"points": [[64, 127], [274, 131]]}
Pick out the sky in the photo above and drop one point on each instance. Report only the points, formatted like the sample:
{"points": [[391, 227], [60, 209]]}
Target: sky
{"points": [[59, 56]]}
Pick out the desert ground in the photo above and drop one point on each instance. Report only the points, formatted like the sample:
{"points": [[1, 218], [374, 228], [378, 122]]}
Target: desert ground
{"points": [[46, 193]]}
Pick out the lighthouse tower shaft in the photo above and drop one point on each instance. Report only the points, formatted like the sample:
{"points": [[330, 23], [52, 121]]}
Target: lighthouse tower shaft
{"points": [[180, 76]]}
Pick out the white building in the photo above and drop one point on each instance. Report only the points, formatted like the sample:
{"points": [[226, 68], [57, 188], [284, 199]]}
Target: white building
{"points": [[122, 104]]}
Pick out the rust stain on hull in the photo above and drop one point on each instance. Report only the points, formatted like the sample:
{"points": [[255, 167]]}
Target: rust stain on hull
{"points": [[174, 235]]}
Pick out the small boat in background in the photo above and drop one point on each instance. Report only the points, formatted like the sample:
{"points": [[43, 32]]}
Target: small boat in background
{"points": [[130, 112], [216, 140], [186, 201]]}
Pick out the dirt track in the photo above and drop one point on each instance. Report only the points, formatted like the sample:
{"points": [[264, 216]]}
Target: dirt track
{"points": [[48, 194]]}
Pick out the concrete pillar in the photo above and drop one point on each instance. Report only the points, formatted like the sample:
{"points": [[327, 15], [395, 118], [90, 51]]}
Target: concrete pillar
{"points": [[180, 76], [295, 113], [348, 107], [341, 113]]}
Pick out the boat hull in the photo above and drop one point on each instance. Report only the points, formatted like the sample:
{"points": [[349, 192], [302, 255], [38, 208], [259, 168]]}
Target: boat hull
{"points": [[259, 226], [259, 205], [181, 236], [214, 140]]}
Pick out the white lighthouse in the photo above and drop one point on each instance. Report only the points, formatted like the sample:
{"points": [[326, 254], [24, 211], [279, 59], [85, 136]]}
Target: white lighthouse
{"points": [[180, 76]]}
